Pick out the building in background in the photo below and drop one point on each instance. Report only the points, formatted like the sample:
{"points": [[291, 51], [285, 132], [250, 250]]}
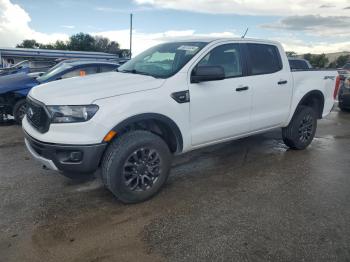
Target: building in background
{"points": [[40, 59]]}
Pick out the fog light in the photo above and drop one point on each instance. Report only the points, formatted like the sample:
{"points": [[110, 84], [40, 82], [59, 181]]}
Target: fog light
{"points": [[76, 156]]}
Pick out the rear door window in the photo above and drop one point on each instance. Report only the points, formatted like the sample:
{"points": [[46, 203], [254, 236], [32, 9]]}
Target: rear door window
{"points": [[264, 59]]}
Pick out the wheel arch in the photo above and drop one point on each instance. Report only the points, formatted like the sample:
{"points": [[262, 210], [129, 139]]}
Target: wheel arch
{"points": [[314, 99], [156, 123]]}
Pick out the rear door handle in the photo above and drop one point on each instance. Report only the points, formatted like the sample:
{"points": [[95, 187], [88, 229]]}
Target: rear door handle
{"points": [[282, 82], [242, 88]]}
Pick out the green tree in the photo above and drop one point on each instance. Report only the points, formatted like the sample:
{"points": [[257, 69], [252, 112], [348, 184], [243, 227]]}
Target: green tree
{"points": [[320, 61], [113, 48], [308, 57], [291, 53], [78, 42], [46, 46], [29, 43], [317, 61], [81, 42], [332, 65], [60, 45], [342, 60], [103, 44]]}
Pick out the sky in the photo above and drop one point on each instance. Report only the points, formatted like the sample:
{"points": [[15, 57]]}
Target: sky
{"points": [[303, 26]]}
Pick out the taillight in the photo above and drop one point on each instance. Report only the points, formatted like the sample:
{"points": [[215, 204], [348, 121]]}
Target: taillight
{"points": [[336, 88]]}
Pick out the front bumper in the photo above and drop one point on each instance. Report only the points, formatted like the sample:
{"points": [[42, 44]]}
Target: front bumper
{"points": [[80, 159]]}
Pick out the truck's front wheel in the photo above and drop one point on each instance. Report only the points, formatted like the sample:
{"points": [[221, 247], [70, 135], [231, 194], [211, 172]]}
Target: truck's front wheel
{"points": [[136, 165], [302, 128]]}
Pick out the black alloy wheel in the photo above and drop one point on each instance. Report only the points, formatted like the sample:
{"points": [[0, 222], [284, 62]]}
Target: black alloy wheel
{"points": [[141, 169], [306, 128]]}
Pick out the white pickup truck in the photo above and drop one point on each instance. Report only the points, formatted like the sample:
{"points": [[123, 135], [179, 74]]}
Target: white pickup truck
{"points": [[171, 99]]}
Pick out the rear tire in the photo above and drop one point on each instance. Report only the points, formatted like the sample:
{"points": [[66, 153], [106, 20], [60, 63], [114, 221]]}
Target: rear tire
{"points": [[136, 166], [302, 128], [19, 111]]}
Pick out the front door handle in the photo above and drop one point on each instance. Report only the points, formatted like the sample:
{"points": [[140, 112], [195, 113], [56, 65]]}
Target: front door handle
{"points": [[242, 88], [282, 82]]}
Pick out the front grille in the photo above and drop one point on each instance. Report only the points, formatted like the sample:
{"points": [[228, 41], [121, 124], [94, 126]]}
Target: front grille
{"points": [[37, 116]]}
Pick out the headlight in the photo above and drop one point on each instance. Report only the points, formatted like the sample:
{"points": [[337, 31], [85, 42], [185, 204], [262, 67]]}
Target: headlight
{"points": [[72, 114]]}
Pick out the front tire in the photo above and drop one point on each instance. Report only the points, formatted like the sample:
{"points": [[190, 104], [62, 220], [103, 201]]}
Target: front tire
{"points": [[301, 130], [136, 166], [19, 111]]}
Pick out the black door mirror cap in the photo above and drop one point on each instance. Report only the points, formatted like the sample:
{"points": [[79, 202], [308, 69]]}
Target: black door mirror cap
{"points": [[207, 73]]}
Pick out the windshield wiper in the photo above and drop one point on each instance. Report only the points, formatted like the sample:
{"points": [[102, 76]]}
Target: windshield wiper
{"points": [[134, 71]]}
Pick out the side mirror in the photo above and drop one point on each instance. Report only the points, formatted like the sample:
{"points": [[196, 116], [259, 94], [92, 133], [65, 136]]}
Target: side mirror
{"points": [[207, 73]]}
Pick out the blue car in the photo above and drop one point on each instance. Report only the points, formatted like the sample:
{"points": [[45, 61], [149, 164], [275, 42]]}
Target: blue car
{"points": [[14, 88], [21, 67]]}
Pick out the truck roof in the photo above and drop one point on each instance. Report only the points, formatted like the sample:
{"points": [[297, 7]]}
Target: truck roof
{"points": [[221, 39]]}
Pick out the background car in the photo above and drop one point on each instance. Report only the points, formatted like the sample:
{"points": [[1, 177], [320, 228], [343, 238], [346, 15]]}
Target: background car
{"points": [[344, 94], [299, 64], [17, 68], [27, 66], [347, 67], [14, 88]]}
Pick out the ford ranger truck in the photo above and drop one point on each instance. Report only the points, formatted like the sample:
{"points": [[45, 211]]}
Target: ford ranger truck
{"points": [[171, 99]]}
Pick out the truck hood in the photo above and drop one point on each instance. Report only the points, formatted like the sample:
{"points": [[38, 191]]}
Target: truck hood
{"points": [[16, 82], [85, 90]]}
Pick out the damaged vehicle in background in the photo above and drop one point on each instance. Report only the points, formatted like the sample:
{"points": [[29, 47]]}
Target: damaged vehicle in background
{"points": [[344, 93], [14, 88], [28, 67], [346, 67]]}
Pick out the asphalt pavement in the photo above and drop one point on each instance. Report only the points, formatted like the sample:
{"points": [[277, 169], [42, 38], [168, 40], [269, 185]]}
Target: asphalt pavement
{"points": [[246, 200]]}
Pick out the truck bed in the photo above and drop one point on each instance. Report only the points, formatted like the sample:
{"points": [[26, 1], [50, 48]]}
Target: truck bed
{"points": [[324, 80]]}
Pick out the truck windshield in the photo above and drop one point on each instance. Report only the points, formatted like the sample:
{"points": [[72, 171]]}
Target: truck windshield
{"points": [[164, 60]]}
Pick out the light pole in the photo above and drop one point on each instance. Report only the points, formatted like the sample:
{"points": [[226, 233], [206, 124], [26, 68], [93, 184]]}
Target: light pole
{"points": [[130, 34]]}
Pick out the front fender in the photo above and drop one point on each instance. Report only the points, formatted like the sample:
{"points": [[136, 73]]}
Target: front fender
{"points": [[22, 92]]}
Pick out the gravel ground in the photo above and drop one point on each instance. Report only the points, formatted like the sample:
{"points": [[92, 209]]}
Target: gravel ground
{"points": [[247, 200]]}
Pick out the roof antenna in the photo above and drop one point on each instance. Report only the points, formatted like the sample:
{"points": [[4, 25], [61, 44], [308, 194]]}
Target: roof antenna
{"points": [[245, 33]]}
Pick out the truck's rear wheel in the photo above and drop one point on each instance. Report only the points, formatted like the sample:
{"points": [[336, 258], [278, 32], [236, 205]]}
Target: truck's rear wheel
{"points": [[136, 165], [302, 128], [19, 110]]}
